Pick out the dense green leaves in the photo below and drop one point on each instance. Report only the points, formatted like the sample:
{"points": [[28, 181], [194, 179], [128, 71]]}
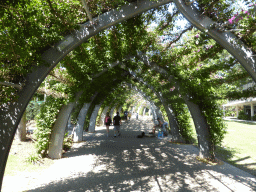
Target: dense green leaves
{"points": [[45, 120], [205, 71]]}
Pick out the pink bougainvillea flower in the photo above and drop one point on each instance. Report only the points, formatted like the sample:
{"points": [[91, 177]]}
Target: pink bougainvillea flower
{"points": [[172, 89], [247, 12], [231, 21], [197, 35]]}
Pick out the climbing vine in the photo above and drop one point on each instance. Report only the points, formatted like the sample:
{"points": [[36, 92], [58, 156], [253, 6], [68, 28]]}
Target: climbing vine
{"points": [[45, 121], [205, 71]]}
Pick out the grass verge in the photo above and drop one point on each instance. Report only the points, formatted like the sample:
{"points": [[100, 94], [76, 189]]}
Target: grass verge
{"points": [[19, 156], [239, 146]]}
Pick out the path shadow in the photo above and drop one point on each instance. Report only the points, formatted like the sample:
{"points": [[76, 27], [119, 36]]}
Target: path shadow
{"points": [[227, 154], [127, 163]]}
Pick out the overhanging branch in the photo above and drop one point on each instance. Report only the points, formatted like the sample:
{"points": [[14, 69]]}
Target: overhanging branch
{"points": [[87, 10], [11, 85]]}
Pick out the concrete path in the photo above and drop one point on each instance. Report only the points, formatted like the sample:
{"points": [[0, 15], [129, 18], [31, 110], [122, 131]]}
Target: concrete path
{"points": [[128, 163], [239, 120]]}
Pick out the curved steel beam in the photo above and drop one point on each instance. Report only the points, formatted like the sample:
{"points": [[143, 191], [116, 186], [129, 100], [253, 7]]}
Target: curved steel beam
{"points": [[153, 106], [171, 116], [10, 114], [226, 39], [201, 125]]}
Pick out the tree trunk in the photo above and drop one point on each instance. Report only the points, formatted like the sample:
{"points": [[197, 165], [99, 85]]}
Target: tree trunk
{"points": [[21, 130]]}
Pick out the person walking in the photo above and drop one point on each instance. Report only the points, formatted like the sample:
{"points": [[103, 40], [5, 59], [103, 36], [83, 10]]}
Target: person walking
{"points": [[125, 115], [107, 122], [117, 123]]}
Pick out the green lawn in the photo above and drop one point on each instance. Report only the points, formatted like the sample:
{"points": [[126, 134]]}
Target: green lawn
{"points": [[239, 146], [16, 165]]}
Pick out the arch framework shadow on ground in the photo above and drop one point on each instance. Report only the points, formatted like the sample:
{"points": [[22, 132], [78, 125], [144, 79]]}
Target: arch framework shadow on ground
{"points": [[128, 163]]}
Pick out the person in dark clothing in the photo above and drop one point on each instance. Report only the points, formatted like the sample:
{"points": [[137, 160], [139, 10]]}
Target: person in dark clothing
{"points": [[125, 115], [117, 123]]}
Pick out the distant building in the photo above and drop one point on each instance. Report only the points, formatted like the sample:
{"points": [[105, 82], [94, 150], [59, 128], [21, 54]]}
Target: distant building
{"points": [[248, 105]]}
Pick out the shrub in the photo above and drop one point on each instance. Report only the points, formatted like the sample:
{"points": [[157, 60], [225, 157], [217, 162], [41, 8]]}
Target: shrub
{"points": [[182, 115], [67, 143], [45, 120], [34, 158], [32, 109], [243, 116], [230, 113]]}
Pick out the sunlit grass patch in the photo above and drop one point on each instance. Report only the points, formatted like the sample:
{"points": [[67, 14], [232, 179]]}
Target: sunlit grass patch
{"points": [[239, 146], [23, 158]]}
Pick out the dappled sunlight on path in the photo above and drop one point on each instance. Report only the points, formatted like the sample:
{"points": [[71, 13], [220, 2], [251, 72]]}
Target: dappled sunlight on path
{"points": [[128, 163]]}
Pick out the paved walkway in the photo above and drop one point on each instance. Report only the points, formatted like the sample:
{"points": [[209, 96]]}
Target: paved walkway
{"points": [[239, 120], [128, 163]]}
